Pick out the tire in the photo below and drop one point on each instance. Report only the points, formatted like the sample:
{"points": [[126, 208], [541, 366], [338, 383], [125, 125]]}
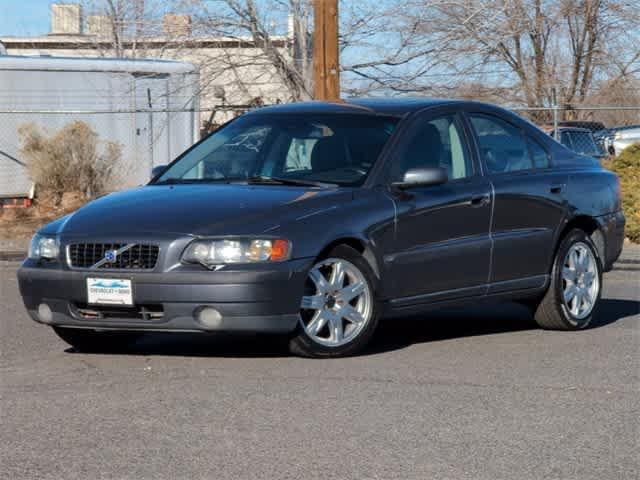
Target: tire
{"points": [[337, 331], [92, 341], [554, 312]]}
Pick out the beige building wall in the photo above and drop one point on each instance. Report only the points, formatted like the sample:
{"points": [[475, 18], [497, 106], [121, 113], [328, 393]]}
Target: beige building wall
{"points": [[66, 18]]}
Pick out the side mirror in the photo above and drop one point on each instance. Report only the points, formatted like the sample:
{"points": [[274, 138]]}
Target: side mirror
{"points": [[422, 177], [157, 170]]}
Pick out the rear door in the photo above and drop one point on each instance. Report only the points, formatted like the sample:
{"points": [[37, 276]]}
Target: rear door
{"points": [[529, 201], [442, 246]]}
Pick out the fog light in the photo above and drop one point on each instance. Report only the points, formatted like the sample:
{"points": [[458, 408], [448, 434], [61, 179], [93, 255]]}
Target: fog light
{"points": [[44, 313], [209, 317]]}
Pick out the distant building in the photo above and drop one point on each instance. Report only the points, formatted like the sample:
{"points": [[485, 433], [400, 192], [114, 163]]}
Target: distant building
{"points": [[251, 80], [52, 85]]}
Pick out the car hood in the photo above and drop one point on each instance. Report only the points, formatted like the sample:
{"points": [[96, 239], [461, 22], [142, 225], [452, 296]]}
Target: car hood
{"points": [[198, 209]]}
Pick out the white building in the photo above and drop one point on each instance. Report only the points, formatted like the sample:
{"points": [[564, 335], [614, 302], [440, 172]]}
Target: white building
{"points": [[232, 71], [118, 98]]}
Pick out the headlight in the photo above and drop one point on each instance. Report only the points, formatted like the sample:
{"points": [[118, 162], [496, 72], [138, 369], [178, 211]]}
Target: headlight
{"points": [[44, 247], [243, 250]]}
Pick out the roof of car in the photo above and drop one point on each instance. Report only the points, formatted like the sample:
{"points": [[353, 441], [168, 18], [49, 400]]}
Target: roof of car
{"points": [[624, 127], [383, 106]]}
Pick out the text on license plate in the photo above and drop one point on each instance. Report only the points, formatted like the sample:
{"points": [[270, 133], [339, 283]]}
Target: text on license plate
{"points": [[109, 291]]}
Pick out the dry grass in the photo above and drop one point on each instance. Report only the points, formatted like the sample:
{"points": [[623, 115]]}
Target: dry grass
{"points": [[69, 168], [22, 223], [71, 160]]}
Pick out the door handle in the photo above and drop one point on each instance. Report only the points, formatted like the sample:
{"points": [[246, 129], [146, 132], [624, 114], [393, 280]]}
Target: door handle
{"points": [[556, 188], [480, 200]]}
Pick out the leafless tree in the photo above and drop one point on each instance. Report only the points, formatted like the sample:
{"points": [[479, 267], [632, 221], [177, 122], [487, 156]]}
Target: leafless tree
{"points": [[277, 29], [380, 47], [524, 52], [125, 28], [621, 92], [534, 46]]}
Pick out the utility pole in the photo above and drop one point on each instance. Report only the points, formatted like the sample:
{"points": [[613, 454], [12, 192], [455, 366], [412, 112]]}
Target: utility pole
{"points": [[326, 66]]}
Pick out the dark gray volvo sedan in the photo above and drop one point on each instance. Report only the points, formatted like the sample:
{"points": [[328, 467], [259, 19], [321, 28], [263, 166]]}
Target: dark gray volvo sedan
{"points": [[316, 220]]}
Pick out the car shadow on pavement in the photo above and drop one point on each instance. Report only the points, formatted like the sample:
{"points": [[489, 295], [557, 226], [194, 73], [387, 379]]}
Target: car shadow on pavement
{"points": [[485, 320], [392, 334]]}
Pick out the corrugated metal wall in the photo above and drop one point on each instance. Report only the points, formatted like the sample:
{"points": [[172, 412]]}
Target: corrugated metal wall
{"points": [[115, 104]]}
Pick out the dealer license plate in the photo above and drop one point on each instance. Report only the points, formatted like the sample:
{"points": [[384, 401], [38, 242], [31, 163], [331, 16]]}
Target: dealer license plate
{"points": [[109, 291]]}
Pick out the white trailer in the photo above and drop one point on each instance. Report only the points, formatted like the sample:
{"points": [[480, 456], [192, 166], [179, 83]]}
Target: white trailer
{"points": [[150, 107]]}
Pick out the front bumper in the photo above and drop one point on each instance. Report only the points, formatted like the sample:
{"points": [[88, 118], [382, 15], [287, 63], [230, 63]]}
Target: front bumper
{"points": [[252, 299]]}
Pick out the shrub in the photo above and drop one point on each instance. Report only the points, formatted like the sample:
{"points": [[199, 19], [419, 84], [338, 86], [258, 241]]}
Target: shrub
{"points": [[71, 160], [627, 166]]}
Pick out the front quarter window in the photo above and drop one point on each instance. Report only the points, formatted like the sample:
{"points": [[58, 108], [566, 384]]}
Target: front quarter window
{"points": [[437, 142]]}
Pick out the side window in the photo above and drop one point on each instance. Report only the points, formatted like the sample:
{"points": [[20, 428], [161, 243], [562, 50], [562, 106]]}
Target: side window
{"points": [[502, 146], [539, 155], [436, 143]]}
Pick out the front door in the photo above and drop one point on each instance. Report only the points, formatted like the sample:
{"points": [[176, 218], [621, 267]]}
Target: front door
{"points": [[442, 249]]}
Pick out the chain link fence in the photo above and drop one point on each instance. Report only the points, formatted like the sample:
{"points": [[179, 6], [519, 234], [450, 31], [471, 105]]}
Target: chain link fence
{"points": [[589, 130], [154, 137], [147, 138]]}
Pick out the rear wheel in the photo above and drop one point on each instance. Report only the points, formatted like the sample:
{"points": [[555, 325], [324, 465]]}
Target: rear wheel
{"points": [[575, 287], [338, 312], [92, 341]]}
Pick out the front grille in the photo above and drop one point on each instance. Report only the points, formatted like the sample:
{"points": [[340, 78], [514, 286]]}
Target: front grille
{"points": [[137, 257]]}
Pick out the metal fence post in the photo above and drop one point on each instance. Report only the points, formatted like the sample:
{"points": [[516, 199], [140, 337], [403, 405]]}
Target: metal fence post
{"points": [[556, 134]]}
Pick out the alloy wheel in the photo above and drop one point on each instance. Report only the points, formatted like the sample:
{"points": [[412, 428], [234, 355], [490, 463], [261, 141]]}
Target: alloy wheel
{"points": [[580, 281], [337, 304]]}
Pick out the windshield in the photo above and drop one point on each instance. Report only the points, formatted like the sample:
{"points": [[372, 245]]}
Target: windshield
{"points": [[325, 149]]}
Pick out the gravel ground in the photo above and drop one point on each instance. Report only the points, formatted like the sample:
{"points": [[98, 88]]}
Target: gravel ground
{"points": [[470, 394]]}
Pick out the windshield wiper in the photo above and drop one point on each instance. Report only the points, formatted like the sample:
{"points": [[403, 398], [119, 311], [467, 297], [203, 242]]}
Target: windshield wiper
{"points": [[258, 179], [179, 181], [263, 179]]}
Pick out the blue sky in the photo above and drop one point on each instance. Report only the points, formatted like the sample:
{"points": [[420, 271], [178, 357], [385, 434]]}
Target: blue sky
{"points": [[24, 17]]}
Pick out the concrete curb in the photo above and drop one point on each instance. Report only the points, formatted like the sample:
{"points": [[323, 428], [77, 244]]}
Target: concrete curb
{"points": [[13, 250], [13, 256]]}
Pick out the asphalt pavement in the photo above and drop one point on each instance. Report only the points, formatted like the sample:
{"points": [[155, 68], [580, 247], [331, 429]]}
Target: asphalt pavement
{"points": [[479, 393]]}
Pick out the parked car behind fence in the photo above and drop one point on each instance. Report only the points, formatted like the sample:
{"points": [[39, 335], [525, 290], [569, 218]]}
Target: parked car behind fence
{"points": [[618, 138], [579, 140]]}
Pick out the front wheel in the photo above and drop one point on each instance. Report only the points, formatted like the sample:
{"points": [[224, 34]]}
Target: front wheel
{"points": [[92, 341], [575, 286], [338, 312]]}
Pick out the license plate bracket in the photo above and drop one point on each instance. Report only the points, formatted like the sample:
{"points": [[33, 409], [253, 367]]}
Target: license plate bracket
{"points": [[109, 291]]}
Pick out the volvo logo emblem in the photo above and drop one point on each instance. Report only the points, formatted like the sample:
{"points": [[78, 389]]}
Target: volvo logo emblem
{"points": [[110, 256]]}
